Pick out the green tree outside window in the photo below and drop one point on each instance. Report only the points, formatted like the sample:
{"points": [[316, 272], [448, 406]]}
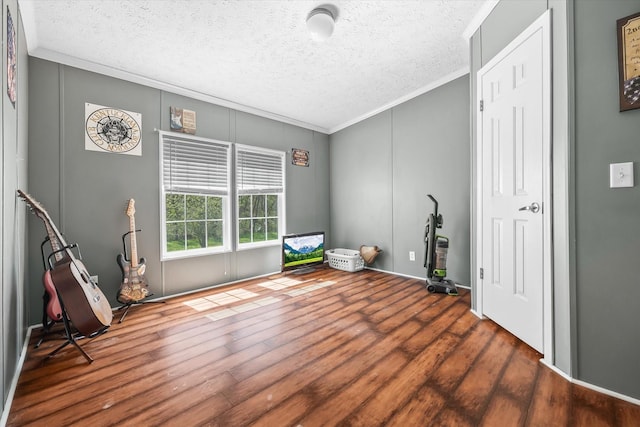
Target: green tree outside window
{"points": [[193, 221]]}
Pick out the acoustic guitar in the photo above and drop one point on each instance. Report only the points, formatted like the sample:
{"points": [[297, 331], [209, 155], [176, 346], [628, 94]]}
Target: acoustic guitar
{"points": [[134, 286], [82, 299]]}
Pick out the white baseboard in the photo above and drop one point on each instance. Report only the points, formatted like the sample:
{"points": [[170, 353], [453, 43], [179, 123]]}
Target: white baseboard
{"points": [[16, 377], [23, 355], [478, 315], [552, 367], [591, 386]]}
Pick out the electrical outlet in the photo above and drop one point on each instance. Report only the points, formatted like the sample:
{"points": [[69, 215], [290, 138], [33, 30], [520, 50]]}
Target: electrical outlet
{"points": [[621, 175], [412, 256], [94, 279]]}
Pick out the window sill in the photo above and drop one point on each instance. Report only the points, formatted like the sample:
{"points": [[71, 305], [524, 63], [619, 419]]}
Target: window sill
{"points": [[192, 254], [256, 245]]}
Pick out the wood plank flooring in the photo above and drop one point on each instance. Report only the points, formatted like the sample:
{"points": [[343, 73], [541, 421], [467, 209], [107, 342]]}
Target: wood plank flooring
{"points": [[326, 348]]}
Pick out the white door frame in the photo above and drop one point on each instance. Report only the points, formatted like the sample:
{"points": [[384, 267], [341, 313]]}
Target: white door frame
{"points": [[542, 23]]}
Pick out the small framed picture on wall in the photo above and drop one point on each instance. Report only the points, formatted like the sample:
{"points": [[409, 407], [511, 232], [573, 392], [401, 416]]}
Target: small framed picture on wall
{"points": [[629, 61], [12, 53], [299, 157]]}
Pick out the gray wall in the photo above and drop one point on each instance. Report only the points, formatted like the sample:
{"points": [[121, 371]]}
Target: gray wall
{"points": [[85, 192], [13, 175], [595, 228], [383, 168], [607, 220], [378, 188]]}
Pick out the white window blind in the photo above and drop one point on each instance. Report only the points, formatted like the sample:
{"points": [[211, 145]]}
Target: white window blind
{"points": [[259, 170], [194, 165]]}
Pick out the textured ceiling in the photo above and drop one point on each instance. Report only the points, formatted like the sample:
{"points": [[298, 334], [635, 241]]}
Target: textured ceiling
{"points": [[257, 55]]}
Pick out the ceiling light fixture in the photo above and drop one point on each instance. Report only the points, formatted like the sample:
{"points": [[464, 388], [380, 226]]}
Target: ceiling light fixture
{"points": [[320, 23]]}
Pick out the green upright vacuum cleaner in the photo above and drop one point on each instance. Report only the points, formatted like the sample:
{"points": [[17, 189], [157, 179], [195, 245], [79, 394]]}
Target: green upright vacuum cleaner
{"points": [[435, 256]]}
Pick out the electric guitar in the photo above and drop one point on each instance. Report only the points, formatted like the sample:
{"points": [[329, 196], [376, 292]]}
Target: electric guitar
{"points": [[134, 286], [83, 301]]}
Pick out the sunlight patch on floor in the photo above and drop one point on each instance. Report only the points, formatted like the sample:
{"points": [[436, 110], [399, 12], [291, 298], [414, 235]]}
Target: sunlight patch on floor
{"points": [[200, 304], [242, 293], [267, 301], [306, 289], [227, 312], [220, 299], [280, 283]]}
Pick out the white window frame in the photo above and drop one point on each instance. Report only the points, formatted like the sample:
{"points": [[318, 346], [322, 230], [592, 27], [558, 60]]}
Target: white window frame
{"points": [[184, 187], [241, 189]]}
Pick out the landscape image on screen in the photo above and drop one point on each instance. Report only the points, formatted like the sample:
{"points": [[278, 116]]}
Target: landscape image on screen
{"points": [[300, 250]]}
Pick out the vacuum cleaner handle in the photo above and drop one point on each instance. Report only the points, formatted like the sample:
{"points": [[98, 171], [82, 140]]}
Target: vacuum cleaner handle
{"points": [[436, 203], [430, 241]]}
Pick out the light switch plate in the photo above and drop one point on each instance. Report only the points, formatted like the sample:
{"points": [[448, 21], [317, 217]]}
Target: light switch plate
{"points": [[621, 175]]}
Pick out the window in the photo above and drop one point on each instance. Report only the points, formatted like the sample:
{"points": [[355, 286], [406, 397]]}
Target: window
{"points": [[195, 174], [260, 193]]}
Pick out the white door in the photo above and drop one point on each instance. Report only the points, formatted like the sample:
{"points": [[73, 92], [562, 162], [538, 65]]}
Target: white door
{"points": [[513, 152]]}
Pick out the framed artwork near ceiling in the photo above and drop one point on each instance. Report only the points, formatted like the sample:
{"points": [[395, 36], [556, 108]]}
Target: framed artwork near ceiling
{"points": [[628, 29], [299, 157], [11, 60], [182, 120]]}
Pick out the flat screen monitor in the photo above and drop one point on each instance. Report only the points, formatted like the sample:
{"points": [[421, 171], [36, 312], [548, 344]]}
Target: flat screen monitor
{"points": [[302, 251]]}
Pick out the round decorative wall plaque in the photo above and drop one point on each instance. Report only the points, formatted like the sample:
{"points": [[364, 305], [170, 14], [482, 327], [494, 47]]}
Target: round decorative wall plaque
{"points": [[112, 130]]}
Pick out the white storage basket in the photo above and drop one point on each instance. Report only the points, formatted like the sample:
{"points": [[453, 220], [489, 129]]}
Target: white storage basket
{"points": [[345, 259]]}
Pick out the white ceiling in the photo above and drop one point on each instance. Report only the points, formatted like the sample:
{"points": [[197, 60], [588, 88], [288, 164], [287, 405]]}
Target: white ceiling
{"points": [[257, 56]]}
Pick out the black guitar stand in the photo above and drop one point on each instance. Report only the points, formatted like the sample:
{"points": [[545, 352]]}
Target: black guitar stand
{"points": [[71, 336], [128, 305], [47, 322]]}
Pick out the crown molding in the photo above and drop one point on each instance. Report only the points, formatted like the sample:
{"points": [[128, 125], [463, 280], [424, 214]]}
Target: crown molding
{"points": [[479, 18], [71, 61], [444, 80]]}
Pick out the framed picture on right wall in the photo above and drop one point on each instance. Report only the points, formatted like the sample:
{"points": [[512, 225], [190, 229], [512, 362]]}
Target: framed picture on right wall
{"points": [[629, 61], [12, 54]]}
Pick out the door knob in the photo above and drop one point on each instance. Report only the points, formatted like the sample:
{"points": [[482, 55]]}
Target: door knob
{"points": [[533, 207]]}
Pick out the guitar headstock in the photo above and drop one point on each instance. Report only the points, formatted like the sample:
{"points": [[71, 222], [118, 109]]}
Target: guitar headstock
{"points": [[131, 208], [33, 204]]}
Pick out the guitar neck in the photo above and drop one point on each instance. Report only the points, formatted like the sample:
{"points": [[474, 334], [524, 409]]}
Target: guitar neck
{"points": [[55, 238], [134, 246], [56, 243]]}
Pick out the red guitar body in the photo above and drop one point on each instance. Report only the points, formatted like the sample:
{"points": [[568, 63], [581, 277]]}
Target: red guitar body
{"points": [[53, 309]]}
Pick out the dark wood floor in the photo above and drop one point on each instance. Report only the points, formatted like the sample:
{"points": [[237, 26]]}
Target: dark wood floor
{"points": [[326, 348]]}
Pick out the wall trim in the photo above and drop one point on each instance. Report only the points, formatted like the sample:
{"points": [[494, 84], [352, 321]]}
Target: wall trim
{"points": [[555, 369], [479, 18], [71, 61], [590, 386], [478, 315], [23, 353], [543, 361], [420, 91], [16, 376]]}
